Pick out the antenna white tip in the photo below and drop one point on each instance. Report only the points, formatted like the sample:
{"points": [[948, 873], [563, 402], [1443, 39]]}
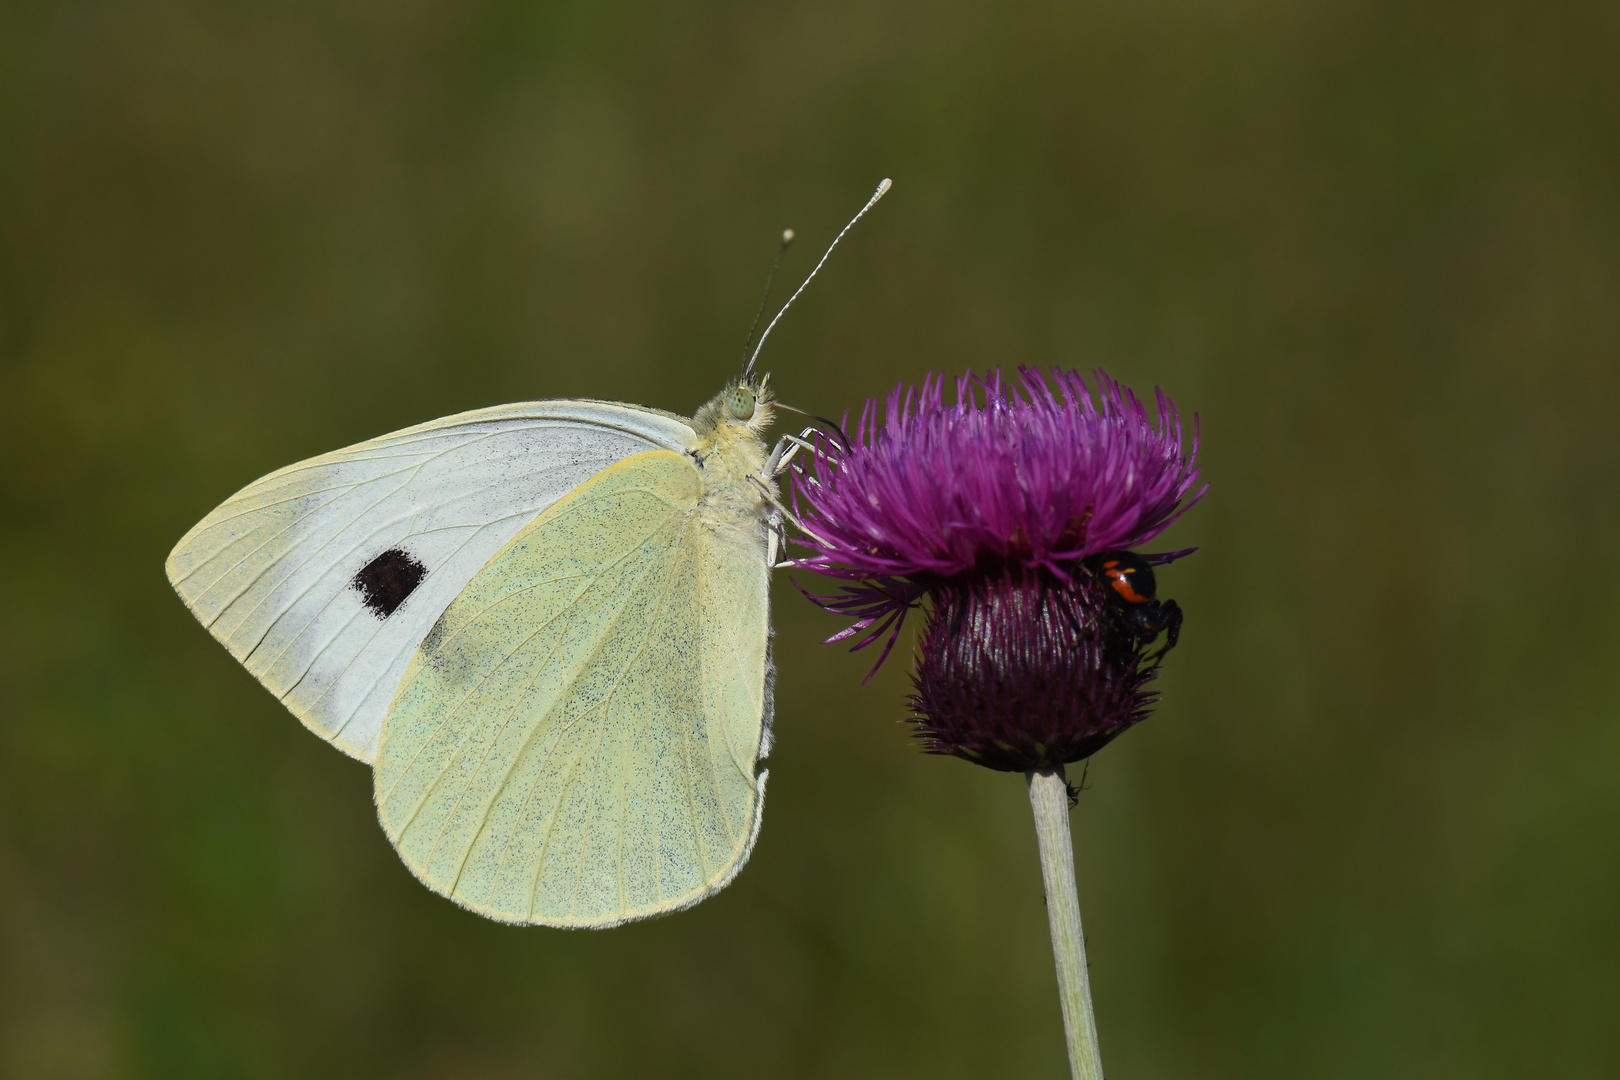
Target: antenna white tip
{"points": [[787, 236]]}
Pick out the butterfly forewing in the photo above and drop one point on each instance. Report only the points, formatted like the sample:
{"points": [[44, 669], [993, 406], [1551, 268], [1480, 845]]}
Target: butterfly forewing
{"points": [[575, 743], [324, 578]]}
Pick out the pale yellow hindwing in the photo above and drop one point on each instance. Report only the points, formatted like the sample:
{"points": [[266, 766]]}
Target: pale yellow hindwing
{"points": [[575, 742]]}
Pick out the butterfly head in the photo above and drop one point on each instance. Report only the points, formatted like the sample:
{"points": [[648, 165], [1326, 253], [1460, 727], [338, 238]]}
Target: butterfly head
{"points": [[745, 408], [731, 445]]}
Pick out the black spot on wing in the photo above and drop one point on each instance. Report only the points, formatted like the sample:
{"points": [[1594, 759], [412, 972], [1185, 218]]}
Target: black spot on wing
{"points": [[387, 580]]}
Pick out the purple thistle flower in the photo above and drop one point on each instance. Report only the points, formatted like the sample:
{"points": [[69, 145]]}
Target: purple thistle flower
{"points": [[1013, 510]]}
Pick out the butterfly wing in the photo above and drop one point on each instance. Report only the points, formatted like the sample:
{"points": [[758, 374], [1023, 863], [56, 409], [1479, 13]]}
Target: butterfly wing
{"points": [[323, 578], [575, 744]]}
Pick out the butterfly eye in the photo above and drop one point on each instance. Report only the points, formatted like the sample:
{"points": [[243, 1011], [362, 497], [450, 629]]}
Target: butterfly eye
{"points": [[740, 403]]}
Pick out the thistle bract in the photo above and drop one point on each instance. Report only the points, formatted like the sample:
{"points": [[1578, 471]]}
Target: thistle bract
{"points": [[997, 508]]}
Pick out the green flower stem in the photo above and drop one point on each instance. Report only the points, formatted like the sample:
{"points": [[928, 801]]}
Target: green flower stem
{"points": [[1049, 797]]}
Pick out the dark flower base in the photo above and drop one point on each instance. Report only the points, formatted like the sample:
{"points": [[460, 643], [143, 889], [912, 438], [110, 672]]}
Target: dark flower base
{"points": [[1019, 669]]}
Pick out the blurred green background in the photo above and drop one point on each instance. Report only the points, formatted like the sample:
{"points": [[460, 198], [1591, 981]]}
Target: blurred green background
{"points": [[1372, 830]]}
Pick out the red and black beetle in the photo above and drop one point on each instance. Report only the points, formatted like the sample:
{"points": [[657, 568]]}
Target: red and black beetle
{"points": [[1134, 610]]}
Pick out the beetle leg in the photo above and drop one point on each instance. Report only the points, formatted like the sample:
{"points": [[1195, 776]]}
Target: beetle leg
{"points": [[1169, 620]]}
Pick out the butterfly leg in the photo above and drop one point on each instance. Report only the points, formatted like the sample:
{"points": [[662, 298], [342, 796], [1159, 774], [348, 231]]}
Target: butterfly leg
{"points": [[785, 448], [776, 522], [782, 513], [779, 542]]}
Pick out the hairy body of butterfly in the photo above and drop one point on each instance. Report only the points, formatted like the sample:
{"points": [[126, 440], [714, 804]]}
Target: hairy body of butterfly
{"points": [[546, 626]]}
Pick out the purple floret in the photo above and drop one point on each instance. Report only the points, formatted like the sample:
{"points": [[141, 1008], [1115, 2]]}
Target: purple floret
{"points": [[1021, 474]]}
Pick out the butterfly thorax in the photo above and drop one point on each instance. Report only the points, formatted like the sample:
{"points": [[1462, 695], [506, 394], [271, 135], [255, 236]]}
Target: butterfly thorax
{"points": [[731, 448]]}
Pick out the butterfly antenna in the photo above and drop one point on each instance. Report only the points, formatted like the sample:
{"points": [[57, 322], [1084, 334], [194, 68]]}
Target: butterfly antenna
{"points": [[787, 242], [882, 190]]}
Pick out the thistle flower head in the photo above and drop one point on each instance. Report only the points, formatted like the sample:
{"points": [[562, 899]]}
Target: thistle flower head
{"points": [[997, 507]]}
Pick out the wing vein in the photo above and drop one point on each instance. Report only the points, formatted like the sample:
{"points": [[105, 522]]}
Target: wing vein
{"points": [[607, 710]]}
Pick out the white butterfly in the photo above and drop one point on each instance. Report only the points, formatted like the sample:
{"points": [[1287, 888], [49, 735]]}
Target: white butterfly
{"points": [[546, 626]]}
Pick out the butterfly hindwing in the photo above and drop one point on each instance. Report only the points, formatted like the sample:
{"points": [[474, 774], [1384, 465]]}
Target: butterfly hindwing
{"points": [[323, 578], [576, 741]]}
